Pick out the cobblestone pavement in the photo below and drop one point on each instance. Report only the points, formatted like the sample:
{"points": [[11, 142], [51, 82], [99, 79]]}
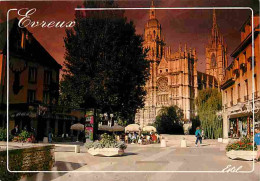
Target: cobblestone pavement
{"points": [[210, 156]]}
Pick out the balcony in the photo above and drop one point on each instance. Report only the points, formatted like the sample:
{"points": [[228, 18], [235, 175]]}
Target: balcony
{"points": [[246, 98], [238, 100], [231, 103]]}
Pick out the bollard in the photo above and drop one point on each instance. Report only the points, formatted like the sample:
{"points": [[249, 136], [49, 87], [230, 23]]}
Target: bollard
{"points": [[45, 140], [183, 143], [163, 143], [220, 140], [77, 149]]}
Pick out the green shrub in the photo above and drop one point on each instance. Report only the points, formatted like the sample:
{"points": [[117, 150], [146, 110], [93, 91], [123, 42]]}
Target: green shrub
{"points": [[24, 135], [243, 144], [3, 135], [106, 141]]}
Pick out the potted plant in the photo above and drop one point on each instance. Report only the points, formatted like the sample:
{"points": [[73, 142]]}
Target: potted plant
{"points": [[242, 149], [107, 146]]}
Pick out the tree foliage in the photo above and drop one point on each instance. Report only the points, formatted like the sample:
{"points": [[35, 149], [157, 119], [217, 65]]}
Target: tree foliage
{"points": [[169, 120], [209, 103], [105, 63]]}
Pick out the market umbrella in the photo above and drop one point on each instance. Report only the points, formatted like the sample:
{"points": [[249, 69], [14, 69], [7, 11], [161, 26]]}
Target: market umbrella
{"points": [[117, 128], [78, 127], [104, 128], [132, 128], [149, 128]]}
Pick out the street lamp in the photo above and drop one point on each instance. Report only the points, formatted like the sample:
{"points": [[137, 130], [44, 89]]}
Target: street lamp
{"points": [[110, 121]]}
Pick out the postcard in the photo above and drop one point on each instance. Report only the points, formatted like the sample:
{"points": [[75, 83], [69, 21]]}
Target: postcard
{"points": [[129, 90]]}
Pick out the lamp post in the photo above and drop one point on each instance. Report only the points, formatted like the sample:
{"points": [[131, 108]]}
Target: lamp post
{"points": [[111, 119]]}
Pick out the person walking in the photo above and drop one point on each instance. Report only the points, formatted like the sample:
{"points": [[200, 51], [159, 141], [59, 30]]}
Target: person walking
{"points": [[50, 136], [198, 136], [257, 142]]}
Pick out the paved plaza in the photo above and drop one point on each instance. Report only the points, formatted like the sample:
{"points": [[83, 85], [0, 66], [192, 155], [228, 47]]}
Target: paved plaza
{"points": [[210, 156]]}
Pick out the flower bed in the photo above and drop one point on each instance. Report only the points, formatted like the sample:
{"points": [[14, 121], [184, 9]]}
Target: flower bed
{"points": [[243, 144], [242, 149], [107, 146]]}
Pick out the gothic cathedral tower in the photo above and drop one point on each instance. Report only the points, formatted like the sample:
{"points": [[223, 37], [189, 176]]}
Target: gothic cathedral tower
{"points": [[153, 36], [153, 41], [216, 53]]}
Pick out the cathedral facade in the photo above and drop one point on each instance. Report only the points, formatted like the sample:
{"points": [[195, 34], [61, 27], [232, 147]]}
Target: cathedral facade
{"points": [[174, 79]]}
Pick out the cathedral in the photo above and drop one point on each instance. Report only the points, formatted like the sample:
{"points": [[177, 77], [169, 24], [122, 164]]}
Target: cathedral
{"points": [[174, 79]]}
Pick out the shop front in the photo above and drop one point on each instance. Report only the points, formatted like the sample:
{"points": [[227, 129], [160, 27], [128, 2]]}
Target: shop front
{"points": [[240, 120], [240, 127]]}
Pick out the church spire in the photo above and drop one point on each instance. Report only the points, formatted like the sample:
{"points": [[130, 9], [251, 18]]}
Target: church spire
{"points": [[152, 10], [214, 18], [215, 36]]}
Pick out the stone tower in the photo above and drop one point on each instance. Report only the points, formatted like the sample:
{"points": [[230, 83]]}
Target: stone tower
{"points": [[153, 41], [153, 36], [216, 53]]}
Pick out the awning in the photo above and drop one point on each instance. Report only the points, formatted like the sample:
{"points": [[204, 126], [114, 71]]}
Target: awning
{"points": [[20, 114], [59, 117]]}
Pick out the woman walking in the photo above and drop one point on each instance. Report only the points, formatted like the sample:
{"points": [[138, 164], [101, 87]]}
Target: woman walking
{"points": [[198, 136]]}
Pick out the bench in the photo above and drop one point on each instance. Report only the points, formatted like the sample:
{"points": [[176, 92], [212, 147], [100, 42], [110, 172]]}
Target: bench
{"points": [[77, 147]]}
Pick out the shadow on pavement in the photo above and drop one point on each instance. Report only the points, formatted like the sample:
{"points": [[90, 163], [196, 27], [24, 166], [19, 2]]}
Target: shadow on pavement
{"points": [[68, 166]]}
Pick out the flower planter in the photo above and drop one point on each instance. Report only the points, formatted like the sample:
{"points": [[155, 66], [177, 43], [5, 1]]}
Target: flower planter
{"points": [[106, 151], [241, 154]]}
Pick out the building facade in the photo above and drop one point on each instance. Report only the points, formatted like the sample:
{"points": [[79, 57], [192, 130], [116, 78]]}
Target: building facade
{"points": [[33, 85], [240, 87], [174, 79]]}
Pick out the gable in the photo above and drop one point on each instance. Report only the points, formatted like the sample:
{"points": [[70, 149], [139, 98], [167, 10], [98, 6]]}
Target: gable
{"points": [[163, 64]]}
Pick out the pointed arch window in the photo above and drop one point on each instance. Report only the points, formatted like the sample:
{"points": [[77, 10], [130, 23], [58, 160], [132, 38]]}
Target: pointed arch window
{"points": [[213, 62]]}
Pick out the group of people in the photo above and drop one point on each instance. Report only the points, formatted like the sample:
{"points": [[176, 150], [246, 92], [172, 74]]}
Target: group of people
{"points": [[15, 133], [141, 138]]}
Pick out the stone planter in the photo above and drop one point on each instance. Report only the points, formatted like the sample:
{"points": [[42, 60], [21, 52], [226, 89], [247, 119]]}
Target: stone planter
{"points": [[241, 154], [106, 152]]}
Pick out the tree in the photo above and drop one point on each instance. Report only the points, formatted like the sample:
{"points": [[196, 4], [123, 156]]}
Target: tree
{"points": [[209, 103], [169, 120], [105, 65]]}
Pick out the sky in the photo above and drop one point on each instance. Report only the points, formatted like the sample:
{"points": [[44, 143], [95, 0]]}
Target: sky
{"points": [[178, 26]]}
